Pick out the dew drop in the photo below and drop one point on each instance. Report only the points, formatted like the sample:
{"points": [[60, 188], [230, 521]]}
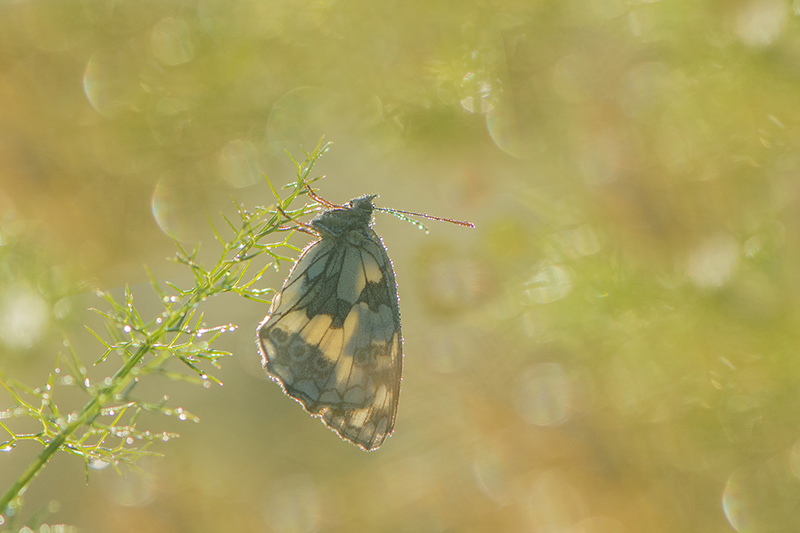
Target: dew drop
{"points": [[98, 464]]}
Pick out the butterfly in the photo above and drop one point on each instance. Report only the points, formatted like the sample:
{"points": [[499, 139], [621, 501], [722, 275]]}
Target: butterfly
{"points": [[332, 337]]}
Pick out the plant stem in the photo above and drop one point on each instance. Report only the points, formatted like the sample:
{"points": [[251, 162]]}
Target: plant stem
{"points": [[89, 410], [207, 284], [92, 409]]}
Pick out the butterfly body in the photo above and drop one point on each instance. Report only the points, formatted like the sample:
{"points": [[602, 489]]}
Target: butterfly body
{"points": [[332, 338]]}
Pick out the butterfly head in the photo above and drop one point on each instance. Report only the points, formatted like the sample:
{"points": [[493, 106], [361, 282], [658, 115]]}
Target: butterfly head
{"points": [[356, 215], [363, 203]]}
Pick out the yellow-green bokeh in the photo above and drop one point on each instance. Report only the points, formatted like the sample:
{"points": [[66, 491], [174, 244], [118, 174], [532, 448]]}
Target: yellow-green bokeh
{"points": [[613, 349]]}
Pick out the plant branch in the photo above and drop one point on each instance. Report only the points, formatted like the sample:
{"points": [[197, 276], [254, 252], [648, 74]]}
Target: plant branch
{"points": [[154, 337]]}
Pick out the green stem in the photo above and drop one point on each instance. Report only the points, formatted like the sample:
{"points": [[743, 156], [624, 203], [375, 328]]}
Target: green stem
{"points": [[123, 377], [38, 463], [91, 410]]}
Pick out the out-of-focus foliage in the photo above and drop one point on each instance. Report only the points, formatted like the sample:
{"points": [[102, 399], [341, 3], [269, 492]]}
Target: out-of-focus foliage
{"points": [[615, 348]]}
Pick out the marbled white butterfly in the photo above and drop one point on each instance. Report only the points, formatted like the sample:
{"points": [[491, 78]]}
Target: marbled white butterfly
{"points": [[332, 336]]}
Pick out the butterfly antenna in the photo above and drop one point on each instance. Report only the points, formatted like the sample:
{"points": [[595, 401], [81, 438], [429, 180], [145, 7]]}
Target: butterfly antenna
{"points": [[399, 212], [401, 216]]}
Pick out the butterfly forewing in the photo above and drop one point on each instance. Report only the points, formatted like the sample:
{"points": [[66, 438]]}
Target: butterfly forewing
{"points": [[332, 338]]}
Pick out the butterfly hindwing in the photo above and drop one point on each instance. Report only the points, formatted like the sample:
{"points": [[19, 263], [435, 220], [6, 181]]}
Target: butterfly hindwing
{"points": [[332, 338]]}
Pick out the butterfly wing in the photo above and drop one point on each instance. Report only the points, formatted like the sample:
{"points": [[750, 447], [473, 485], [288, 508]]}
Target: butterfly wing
{"points": [[332, 338]]}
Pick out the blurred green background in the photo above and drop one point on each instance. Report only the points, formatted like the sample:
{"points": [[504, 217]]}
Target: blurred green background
{"points": [[615, 348]]}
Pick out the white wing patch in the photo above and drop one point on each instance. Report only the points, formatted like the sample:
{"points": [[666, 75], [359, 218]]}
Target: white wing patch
{"points": [[351, 278]]}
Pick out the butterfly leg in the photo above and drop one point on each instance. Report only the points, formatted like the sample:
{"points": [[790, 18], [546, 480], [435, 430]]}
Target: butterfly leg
{"points": [[301, 226], [322, 201]]}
